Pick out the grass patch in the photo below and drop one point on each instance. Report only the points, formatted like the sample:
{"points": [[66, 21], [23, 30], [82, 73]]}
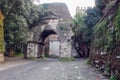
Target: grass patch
{"points": [[18, 54], [44, 58], [67, 59], [88, 61]]}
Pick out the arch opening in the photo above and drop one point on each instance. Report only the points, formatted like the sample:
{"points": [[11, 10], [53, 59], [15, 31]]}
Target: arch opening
{"points": [[45, 34]]}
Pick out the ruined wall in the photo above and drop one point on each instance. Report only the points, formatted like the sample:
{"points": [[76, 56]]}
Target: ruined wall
{"points": [[57, 20]]}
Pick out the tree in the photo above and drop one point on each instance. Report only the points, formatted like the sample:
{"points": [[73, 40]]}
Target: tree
{"points": [[80, 32], [20, 15], [84, 25], [101, 4], [91, 19]]}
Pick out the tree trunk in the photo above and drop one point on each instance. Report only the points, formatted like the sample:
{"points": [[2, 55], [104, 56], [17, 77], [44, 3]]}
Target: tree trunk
{"points": [[11, 52], [78, 51]]}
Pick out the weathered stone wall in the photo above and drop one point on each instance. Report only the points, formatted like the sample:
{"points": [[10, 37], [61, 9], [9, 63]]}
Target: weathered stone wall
{"points": [[30, 37], [32, 50], [65, 50], [54, 48]]}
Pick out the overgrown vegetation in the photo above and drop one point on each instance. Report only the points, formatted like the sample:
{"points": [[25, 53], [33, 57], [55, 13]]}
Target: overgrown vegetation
{"points": [[100, 31], [106, 42]]}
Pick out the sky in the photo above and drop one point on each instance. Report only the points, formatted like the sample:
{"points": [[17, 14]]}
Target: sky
{"points": [[72, 4]]}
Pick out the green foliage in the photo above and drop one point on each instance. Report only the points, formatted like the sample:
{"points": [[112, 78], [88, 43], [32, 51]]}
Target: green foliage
{"points": [[91, 19], [113, 77], [19, 16], [108, 6], [80, 31], [103, 36], [80, 28], [32, 58], [16, 31], [2, 47], [44, 58], [106, 35], [100, 4], [98, 43], [19, 54], [88, 61], [117, 24], [107, 67], [79, 21], [66, 59], [100, 27], [100, 32]]}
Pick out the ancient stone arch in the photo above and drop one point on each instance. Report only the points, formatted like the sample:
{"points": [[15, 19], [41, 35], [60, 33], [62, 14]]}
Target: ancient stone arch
{"points": [[56, 31]]}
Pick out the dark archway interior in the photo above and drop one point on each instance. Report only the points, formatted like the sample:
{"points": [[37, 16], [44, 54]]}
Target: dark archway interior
{"points": [[45, 34]]}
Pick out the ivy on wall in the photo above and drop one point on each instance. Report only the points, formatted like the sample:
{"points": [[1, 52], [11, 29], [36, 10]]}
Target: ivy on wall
{"points": [[100, 34], [107, 33], [2, 47]]}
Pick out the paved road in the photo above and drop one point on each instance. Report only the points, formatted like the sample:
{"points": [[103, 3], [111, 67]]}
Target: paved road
{"points": [[51, 69]]}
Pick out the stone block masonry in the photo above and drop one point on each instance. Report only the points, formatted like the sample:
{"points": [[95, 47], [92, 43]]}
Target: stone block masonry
{"points": [[65, 50]]}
